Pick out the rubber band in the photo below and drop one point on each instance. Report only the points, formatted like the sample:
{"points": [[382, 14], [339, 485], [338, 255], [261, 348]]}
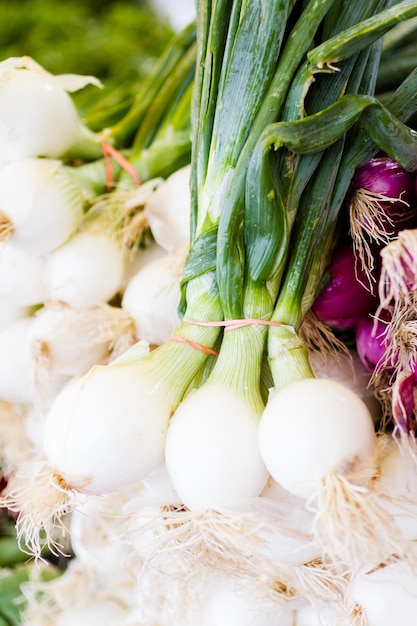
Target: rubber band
{"points": [[234, 324], [194, 344], [228, 325], [109, 151]]}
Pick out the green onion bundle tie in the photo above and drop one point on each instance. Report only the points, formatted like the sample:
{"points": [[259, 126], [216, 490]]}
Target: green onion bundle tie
{"points": [[228, 325], [193, 344], [110, 151]]}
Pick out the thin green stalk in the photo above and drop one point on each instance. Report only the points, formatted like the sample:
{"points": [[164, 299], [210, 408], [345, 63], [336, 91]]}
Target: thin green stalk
{"points": [[169, 95], [359, 36], [122, 132], [230, 236]]}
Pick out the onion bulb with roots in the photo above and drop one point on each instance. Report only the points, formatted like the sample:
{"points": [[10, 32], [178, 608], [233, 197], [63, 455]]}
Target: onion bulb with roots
{"points": [[69, 342], [317, 439], [106, 431], [314, 426]]}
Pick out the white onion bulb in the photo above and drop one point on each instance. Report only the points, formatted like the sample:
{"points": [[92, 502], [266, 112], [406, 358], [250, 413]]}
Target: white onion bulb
{"points": [[311, 427], [211, 450], [320, 616], [152, 297], [43, 202], [10, 312], [85, 271], [38, 117], [168, 211], [106, 431], [22, 276], [69, 341], [387, 595]]}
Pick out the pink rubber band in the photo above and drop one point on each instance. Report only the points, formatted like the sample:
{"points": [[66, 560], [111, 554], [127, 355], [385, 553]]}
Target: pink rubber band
{"points": [[194, 344], [233, 324], [228, 325], [109, 151]]}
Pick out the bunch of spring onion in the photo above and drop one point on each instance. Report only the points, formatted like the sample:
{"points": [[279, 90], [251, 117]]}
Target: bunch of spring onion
{"points": [[283, 113]]}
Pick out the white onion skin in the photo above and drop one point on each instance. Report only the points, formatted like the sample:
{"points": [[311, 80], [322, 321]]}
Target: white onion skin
{"points": [[69, 350], [106, 431], [309, 616], [291, 548], [22, 276], [85, 271], [168, 211], [387, 595], [151, 298], [43, 202], [38, 117], [10, 312], [311, 427], [15, 380], [227, 606], [398, 482], [211, 450]]}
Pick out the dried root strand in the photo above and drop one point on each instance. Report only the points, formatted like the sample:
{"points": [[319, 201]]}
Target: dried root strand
{"points": [[226, 543], [6, 227], [41, 499], [319, 337], [124, 214], [369, 223], [325, 587], [352, 526], [399, 360], [398, 280]]}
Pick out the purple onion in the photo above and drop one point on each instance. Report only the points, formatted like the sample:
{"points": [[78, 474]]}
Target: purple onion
{"points": [[387, 177], [345, 299], [370, 339]]}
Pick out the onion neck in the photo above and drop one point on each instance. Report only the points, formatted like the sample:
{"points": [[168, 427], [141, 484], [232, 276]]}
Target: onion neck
{"points": [[238, 366], [287, 356]]}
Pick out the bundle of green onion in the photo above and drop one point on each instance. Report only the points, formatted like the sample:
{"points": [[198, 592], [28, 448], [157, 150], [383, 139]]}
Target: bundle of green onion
{"points": [[197, 466]]}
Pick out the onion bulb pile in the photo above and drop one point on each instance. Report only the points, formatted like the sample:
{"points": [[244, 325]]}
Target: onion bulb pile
{"points": [[207, 342]]}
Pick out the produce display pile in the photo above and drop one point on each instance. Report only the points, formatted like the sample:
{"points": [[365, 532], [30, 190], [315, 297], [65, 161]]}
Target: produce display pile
{"points": [[207, 329]]}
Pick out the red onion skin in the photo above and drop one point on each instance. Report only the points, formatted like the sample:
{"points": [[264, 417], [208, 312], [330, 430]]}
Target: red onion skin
{"points": [[345, 299], [385, 176], [370, 345]]}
